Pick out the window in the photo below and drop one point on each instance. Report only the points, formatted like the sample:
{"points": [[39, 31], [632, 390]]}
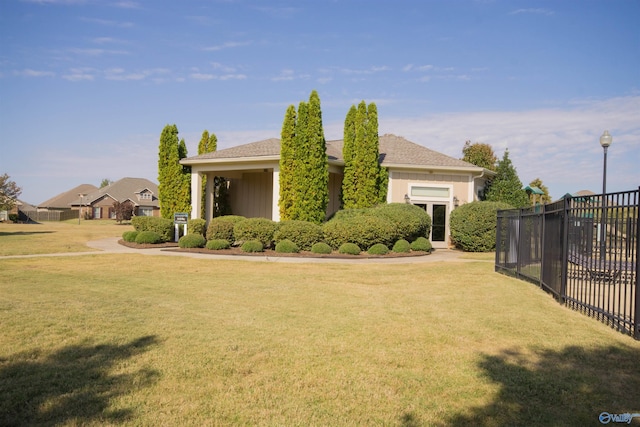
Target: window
{"points": [[145, 211], [441, 192]]}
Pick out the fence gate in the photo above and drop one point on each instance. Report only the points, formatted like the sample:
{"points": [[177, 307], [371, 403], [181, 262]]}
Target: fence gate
{"points": [[583, 250]]}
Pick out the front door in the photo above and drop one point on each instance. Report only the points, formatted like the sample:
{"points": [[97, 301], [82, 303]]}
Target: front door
{"points": [[438, 213]]}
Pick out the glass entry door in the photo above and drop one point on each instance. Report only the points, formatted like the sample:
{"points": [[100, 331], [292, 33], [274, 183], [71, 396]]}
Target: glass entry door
{"points": [[438, 213]]}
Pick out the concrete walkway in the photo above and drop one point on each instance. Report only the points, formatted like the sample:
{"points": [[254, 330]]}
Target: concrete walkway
{"points": [[111, 246]]}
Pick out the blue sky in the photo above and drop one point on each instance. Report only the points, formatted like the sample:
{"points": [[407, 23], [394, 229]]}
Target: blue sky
{"points": [[86, 86]]}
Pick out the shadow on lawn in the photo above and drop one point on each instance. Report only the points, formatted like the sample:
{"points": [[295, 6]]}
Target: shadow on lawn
{"points": [[571, 387], [72, 384], [23, 233]]}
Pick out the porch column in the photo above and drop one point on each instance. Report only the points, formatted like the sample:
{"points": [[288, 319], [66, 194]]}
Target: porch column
{"points": [[275, 207], [208, 197], [196, 193]]}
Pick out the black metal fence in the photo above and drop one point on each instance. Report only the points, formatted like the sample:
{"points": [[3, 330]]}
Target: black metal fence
{"points": [[583, 250]]}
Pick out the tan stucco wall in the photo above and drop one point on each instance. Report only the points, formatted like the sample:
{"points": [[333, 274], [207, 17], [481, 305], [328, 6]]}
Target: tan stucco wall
{"points": [[401, 181], [335, 182], [251, 195]]}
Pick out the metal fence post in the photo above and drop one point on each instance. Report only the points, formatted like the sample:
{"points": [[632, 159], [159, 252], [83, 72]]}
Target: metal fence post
{"points": [[636, 314], [565, 250]]}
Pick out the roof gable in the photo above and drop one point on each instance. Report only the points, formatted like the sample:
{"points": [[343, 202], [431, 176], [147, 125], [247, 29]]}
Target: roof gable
{"points": [[63, 200], [122, 190], [394, 151]]}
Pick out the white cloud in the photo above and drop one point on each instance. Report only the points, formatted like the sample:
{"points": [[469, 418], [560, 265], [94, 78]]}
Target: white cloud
{"points": [[34, 73], [534, 11], [107, 22], [227, 45]]}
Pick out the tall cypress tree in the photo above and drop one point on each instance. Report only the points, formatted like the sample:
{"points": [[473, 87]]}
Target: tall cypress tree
{"points": [[167, 160], [364, 182], [287, 163], [183, 185], [208, 143], [348, 189], [299, 153], [316, 195], [506, 186]]}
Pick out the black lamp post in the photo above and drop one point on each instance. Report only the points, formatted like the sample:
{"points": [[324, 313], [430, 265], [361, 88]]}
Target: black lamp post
{"points": [[605, 141]]}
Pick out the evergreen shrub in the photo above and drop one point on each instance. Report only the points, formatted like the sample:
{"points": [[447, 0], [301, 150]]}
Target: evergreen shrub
{"points": [[321, 248], [129, 236], [349, 248], [148, 237], [197, 226], [409, 221], [261, 229], [473, 225], [287, 247], [221, 227], [363, 230], [302, 233], [401, 246], [252, 246], [421, 244], [192, 240], [218, 244], [378, 249], [162, 226]]}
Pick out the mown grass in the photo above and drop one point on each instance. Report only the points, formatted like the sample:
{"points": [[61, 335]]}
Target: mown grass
{"points": [[55, 237], [144, 340]]}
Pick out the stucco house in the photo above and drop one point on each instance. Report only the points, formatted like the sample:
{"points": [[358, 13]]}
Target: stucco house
{"points": [[98, 204], [434, 181]]}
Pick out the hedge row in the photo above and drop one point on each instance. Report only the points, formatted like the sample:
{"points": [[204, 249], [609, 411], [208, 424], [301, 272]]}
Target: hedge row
{"points": [[383, 225]]}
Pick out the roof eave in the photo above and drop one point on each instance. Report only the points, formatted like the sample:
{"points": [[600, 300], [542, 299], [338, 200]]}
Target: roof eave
{"points": [[231, 160]]}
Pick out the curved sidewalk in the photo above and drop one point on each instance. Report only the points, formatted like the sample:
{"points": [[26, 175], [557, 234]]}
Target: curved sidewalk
{"points": [[111, 246]]}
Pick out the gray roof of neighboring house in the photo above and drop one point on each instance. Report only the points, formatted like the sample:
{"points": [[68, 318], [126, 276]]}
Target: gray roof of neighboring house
{"points": [[394, 151], [122, 190], [63, 200]]}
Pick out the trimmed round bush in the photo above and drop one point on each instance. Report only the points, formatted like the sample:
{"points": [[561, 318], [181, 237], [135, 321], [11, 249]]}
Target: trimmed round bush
{"points": [[401, 246], [129, 236], [321, 248], [365, 231], [349, 248], [162, 226], [378, 249], [302, 233], [421, 244], [473, 225], [218, 244], [221, 227], [192, 240], [261, 229], [197, 226], [409, 221], [148, 237], [287, 247], [252, 246]]}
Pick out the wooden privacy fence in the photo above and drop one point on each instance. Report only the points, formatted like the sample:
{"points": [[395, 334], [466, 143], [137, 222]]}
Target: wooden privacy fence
{"points": [[583, 250]]}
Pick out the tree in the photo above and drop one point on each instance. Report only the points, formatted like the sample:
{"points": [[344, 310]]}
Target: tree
{"points": [[365, 181], [123, 211], [479, 154], [304, 168], [542, 199], [9, 193], [174, 180], [207, 144], [506, 186], [105, 182], [287, 163]]}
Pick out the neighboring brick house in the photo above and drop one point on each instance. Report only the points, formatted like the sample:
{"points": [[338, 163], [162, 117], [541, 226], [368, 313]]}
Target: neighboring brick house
{"points": [[434, 181], [141, 192]]}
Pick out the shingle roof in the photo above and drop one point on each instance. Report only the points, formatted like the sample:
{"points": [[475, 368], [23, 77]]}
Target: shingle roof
{"points": [[122, 190], [394, 150], [63, 200]]}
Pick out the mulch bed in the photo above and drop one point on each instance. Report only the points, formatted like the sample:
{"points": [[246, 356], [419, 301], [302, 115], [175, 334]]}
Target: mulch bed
{"points": [[173, 247]]}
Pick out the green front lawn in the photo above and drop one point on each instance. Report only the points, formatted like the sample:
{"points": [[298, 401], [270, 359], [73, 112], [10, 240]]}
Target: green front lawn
{"points": [[145, 340]]}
